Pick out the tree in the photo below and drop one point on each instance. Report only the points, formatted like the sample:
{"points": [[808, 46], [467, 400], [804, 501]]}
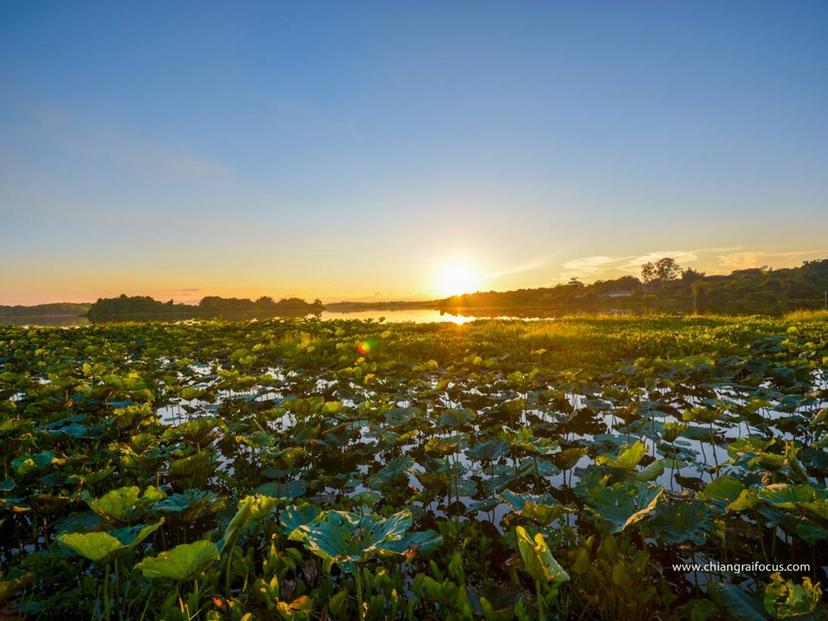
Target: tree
{"points": [[663, 270], [575, 283], [690, 275], [648, 272]]}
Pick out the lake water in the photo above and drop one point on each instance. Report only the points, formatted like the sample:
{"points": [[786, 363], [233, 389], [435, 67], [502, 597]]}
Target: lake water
{"points": [[390, 316]]}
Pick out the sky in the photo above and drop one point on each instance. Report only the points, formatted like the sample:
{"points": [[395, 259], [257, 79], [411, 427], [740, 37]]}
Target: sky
{"points": [[359, 150]]}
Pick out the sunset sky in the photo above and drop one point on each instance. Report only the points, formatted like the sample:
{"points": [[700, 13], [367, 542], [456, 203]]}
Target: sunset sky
{"points": [[356, 150]]}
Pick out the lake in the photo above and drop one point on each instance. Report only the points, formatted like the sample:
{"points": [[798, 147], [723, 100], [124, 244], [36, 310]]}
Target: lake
{"points": [[391, 316]]}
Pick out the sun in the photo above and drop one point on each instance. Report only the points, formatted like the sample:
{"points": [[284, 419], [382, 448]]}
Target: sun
{"points": [[458, 278]]}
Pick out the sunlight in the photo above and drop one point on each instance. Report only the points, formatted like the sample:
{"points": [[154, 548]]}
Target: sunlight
{"points": [[458, 278]]}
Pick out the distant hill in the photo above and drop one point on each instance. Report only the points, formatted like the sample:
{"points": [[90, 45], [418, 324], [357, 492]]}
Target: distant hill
{"points": [[54, 309], [752, 291], [144, 307]]}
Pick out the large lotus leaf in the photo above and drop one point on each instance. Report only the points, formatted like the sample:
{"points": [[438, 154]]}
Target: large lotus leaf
{"points": [[623, 505], [747, 499], [443, 446], [488, 451], [347, 538], [94, 546], [747, 447], [537, 558], [125, 504], [181, 563], [131, 536], [506, 475], [456, 417], [73, 426], [391, 472], [278, 489], [196, 469], [423, 542], [724, 489], [627, 458], [293, 517], [401, 416], [540, 509], [651, 472], [677, 522], [190, 504], [787, 496], [784, 598], [35, 461]]}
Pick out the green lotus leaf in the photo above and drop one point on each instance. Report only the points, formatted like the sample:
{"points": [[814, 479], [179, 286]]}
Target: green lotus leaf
{"points": [[678, 522], [422, 541], [488, 451], [651, 472], [747, 499], [347, 538], [250, 509], [627, 458], [784, 598], [94, 546], [540, 509], [293, 517], [131, 536], [786, 496], [183, 562], [537, 558], [125, 504], [456, 417], [35, 461], [722, 489], [190, 504], [391, 472], [194, 470], [622, 504], [277, 489]]}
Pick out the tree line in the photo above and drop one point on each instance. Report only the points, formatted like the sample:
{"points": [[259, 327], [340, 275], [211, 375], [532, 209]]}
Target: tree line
{"points": [[664, 286]]}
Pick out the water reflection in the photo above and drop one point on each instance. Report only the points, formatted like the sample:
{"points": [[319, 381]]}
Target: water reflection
{"points": [[390, 316]]}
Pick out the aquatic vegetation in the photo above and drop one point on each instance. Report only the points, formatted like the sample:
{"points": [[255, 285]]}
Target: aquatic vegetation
{"points": [[590, 467]]}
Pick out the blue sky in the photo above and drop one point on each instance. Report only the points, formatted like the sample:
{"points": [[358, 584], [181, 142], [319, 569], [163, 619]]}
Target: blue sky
{"points": [[361, 150]]}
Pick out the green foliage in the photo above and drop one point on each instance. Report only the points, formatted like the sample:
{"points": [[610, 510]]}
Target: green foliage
{"points": [[183, 562], [281, 469]]}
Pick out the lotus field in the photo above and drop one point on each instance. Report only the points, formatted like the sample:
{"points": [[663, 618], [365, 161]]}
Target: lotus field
{"points": [[305, 469]]}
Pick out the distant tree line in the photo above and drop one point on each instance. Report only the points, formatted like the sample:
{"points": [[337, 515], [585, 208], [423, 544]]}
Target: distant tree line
{"points": [[45, 310], [145, 307], [665, 287]]}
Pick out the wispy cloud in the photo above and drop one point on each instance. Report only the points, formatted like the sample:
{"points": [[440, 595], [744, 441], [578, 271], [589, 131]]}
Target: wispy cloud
{"points": [[526, 266], [682, 256], [752, 258]]}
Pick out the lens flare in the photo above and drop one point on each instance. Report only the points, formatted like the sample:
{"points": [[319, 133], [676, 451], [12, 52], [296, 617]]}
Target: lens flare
{"points": [[364, 347]]}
